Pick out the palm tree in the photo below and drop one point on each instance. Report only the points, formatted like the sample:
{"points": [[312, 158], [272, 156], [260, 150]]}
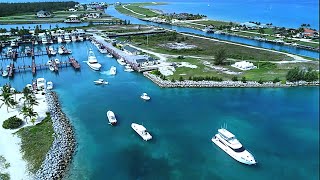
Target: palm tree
{"points": [[31, 113], [6, 98], [26, 94], [32, 101], [24, 111]]}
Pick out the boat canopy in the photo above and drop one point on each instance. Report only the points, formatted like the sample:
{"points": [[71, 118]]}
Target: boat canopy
{"points": [[225, 133]]}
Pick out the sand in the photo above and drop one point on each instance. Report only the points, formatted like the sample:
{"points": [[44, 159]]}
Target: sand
{"points": [[10, 143]]}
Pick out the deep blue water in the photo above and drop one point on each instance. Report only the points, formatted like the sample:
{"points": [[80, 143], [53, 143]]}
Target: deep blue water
{"points": [[279, 126], [288, 13]]}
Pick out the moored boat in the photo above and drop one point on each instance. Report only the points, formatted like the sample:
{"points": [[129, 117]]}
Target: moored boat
{"points": [[93, 62], [113, 70], [49, 85], [230, 144], [112, 118], [121, 62], [142, 131], [100, 81], [145, 96]]}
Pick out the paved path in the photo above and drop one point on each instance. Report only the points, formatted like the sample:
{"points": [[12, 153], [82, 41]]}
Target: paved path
{"points": [[124, 6]]}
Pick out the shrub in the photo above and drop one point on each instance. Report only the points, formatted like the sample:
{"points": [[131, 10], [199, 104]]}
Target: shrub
{"points": [[181, 78], [234, 78], [12, 123], [260, 81], [243, 79], [276, 80]]}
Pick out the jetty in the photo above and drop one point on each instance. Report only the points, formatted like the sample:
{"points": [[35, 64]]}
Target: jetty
{"points": [[11, 70], [33, 67], [55, 65], [74, 63]]}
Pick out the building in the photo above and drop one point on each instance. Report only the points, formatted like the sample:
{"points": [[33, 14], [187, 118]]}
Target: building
{"points": [[93, 15], [43, 14], [72, 10], [244, 65], [130, 50], [249, 25], [73, 19], [309, 33]]}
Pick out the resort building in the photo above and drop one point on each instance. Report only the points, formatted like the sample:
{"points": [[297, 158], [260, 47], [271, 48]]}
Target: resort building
{"points": [[93, 15], [72, 10], [130, 50], [43, 14], [249, 25], [309, 33], [244, 65]]}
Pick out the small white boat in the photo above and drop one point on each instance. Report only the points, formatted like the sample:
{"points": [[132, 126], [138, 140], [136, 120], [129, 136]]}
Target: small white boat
{"points": [[112, 118], [5, 73], [27, 50], [52, 51], [59, 39], [109, 55], [57, 61], [67, 38], [49, 62], [49, 85], [80, 38], [113, 70], [60, 50], [12, 44], [121, 62], [100, 81], [29, 86], [230, 144], [142, 131], [51, 68], [73, 38], [93, 62], [44, 40], [41, 83], [9, 51], [145, 96], [128, 68]]}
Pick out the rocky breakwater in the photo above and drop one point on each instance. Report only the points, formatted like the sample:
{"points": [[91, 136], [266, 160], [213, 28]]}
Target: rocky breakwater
{"points": [[225, 84], [63, 146]]}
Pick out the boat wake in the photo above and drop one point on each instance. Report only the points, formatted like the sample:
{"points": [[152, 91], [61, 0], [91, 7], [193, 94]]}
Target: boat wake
{"points": [[105, 73]]}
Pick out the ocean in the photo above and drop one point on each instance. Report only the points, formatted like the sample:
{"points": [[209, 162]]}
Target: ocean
{"points": [[287, 13], [279, 126]]}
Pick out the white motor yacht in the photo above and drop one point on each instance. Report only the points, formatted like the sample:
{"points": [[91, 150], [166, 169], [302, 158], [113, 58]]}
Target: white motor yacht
{"points": [[80, 38], [142, 131], [121, 62], [67, 38], [112, 118], [230, 144], [109, 55], [145, 96], [60, 50], [49, 85], [100, 81], [73, 38], [52, 51], [44, 40], [128, 68], [41, 83], [27, 50], [12, 43], [57, 61], [113, 70], [51, 68], [49, 62], [59, 39], [9, 51], [92, 61]]}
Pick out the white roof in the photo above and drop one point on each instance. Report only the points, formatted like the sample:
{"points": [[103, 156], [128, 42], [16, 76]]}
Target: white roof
{"points": [[226, 133]]}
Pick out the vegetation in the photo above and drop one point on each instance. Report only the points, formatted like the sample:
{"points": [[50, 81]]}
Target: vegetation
{"points": [[36, 142], [3, 166], [297, 74], [139, 9], [220, 57], [6, 97], [205, 47], [33, 7], [12, 123]]}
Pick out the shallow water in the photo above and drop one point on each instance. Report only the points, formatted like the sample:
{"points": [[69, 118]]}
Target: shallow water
{"points": [[279, 126]]}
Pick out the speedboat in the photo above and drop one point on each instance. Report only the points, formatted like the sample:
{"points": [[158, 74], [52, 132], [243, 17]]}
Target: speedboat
{"points": [[121, 62], [27, 50], [67, 38], [49, 62], [5, 73], [109, 55], [112, 118], [100, 81], [51, 68], [49, 85], [73, 38], [128, 68], [113, 70], [59, 39], [52, 51], [44, 40], [60, 50], [41, 83], [57, 61], [230, 144], [12, 44], [92, 61], [145, 96], [9, 51], [142, 131]]}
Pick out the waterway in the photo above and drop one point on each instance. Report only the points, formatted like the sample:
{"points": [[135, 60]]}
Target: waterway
{"points": [[280, 126], [290, 49]]}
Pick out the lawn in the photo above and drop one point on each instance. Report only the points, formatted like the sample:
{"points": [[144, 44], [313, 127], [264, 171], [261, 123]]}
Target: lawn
{"points": [[36, 142], [212, 22], [204, 47], [138, 8], [266, 31]]}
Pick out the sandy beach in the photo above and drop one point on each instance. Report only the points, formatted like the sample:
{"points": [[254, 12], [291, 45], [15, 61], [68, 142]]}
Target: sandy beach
{"points": [[10, 143]]}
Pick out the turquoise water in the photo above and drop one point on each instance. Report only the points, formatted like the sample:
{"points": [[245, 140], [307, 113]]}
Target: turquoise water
{"points": [[279, 126]]}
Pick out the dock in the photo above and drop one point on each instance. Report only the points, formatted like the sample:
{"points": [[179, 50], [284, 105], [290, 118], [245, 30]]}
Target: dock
{"points": [[55, 65], [74, 63], [33, 67], [11, 70], [135, 33]]}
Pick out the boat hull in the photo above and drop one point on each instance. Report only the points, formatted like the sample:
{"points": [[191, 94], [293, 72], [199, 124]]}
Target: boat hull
{"points": [[230, 152], [94, 68]]}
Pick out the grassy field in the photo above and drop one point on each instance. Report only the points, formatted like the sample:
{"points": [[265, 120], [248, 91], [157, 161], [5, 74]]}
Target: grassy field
{"points": [[266, 31], [212, 22], [36, 142], [138, 8], [204, 47]]}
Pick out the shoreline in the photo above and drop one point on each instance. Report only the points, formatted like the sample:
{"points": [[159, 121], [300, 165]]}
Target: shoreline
{"points": [[62, 149], [223, 84]]}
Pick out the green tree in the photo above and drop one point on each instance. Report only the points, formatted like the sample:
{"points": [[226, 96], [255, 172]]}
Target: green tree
{"points": [[33, 120], [181, 78], [234, 78], [220, 57], [243, 79], [24, 111], [261, 31], [6, 98], [260, 81]]}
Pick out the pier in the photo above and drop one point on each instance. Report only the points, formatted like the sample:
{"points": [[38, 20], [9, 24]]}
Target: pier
{"points": [[74, 63], [135, 33], [33, 67]]}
